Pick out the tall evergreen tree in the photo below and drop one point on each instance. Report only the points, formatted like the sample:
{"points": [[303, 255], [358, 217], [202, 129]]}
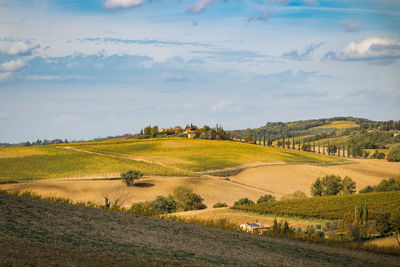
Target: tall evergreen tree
{"points": [[319, 148], [323, 149], [338, 152], [293, 147], [314, 147], [283, 142]]}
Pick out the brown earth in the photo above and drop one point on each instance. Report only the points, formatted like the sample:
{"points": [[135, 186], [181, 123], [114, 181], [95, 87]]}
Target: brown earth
{"points": [[67, 235]]}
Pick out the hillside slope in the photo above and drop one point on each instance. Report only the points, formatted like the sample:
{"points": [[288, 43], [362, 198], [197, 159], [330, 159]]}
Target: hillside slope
{"points": [[106, 237]]}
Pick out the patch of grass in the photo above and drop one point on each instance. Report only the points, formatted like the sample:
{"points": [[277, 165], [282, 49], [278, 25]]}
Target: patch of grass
{"points": [[53, 162], [338, 125], [200, 155], [329, 207]]}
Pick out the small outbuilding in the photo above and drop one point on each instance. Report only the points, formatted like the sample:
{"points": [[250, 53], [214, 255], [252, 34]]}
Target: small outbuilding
{"points": [[257, 227]]}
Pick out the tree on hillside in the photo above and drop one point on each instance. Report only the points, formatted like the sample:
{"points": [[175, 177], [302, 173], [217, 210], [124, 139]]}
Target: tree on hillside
{"points": [[349, 186], [332, 185], [186, 199], [394, 153], [332, 149], [266, 198], [243, 201], [131, 176]]}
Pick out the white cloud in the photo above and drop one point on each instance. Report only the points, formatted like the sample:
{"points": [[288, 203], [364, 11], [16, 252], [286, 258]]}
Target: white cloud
{"points": [[199, 6], [114, 4], [220, 106], [21, 48], [371, 49], [5, 76], [13, 65]]}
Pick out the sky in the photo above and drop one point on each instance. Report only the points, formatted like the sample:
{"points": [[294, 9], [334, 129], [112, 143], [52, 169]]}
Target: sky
{"points": [[82, 69]]}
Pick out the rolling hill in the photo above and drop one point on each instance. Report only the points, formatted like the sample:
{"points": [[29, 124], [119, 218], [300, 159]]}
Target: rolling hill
{"points": [[38, 232]]}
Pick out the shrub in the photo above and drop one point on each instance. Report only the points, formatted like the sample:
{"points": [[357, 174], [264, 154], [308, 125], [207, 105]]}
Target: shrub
{"points": [[367, 189], [243, 201], [220, 205], [164, 204], [394, 153], [266, 198], [130, 176], [186, 199], [378, 155], [383, 223], [353, 231]]}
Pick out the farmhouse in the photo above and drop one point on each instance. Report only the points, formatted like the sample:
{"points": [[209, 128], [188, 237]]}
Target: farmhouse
{"points": [[254, 227]]}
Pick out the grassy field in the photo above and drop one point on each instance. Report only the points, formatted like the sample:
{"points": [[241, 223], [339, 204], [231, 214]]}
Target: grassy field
{"points": [[200, 155], [330, 207], [41, 162], [39, 232], [338, 125]]}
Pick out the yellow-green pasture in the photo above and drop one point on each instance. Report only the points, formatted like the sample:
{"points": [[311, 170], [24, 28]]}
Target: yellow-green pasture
{"points": [[338, 125], [201, 155], [40, 162]]}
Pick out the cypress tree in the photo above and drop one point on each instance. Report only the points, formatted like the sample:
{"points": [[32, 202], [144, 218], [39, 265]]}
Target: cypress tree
{"points": [[314, 147], [348, 151], [283, 142], [365, 214], [293, 147], [323, 149], [319, 148], [264, 141], [275, 226], [338, 152]]}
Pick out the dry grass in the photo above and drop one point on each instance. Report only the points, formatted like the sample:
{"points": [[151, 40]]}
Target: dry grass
{"points": [[285, 179], [87, 232], [238, 217], [384, 242], [211, 189]]}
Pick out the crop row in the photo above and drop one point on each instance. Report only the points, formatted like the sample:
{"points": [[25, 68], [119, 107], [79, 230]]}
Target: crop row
{"points": [[329, 207]]}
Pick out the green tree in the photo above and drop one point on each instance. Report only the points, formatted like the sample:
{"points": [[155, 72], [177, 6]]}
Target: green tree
{"points": [[394, 153], [164, 204], [131, 176], [332, 185], [332, 149], [186, 199], [316, 188], [220, 205], [383, 225], [395, 225], [266, 198], [243, 201], [349, 186]]}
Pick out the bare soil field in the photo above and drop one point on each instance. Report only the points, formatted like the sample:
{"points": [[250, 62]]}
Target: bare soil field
{"points": [[238, 217], [285, 179], [54, 230], [212, 190]]}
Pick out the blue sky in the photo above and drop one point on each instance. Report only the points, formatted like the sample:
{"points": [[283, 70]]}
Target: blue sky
{"points": [[83, 69]]}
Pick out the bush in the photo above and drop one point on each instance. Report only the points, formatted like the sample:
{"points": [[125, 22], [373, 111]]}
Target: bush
{"points": [[394, 153], [367, 189], [383, 223], [378, 155], [186, 199], [164, 204], [243, 201], [266, 198], [220, 205], [130, 176]]}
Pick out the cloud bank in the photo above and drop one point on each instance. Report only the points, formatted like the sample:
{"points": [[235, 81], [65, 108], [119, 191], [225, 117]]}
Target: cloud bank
{"points": [[199, 6], [375, 49], [117, 4]]}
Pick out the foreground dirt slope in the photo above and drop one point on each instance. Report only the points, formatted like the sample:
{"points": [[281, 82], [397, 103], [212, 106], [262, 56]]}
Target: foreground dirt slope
{"points": [[127, 238]]}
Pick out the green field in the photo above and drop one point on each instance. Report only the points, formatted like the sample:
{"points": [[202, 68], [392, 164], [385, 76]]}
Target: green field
{"points": [[329, 207], [338, 125], [200, 155], [40, 162]]}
